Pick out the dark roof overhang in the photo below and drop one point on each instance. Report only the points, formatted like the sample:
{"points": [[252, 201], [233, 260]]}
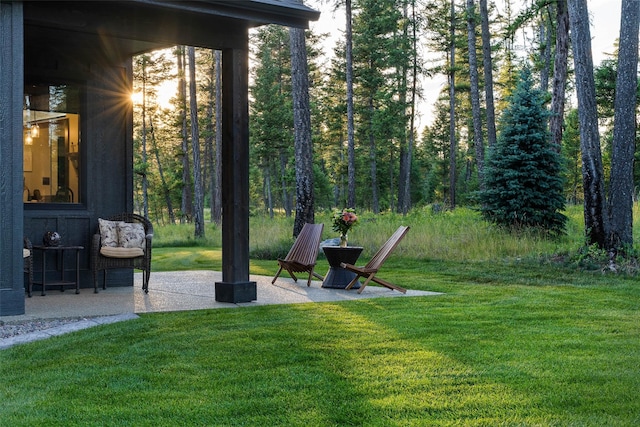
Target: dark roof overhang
{"points": [[255, 12], [121, 29]]}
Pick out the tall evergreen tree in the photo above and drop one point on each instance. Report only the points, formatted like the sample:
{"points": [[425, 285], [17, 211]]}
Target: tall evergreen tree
{"points": [[449, 33], [379, 107], [351, 144], [149, 71], [487, 65], [302, 130], [186, 206], [198, 207], [505, 82], [271, 118], [478, 141], [621, 186], [572, 160], [407, 89], [434, 152], [595, 218], [559, 72], [523, 183], [216, 199], [142, 75], [332, 144], [451, 75]]}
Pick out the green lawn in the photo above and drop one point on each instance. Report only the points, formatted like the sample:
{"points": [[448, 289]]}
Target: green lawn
{"points": [[528, 332], [514, 344]]}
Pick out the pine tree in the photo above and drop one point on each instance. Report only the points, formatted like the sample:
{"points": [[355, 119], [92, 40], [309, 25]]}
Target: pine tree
{"points": [[523, 183], [596, 220]]}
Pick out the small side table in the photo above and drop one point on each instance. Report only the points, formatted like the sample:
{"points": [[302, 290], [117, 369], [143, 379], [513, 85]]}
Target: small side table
{"points": [[62, 282], [337, 277]]}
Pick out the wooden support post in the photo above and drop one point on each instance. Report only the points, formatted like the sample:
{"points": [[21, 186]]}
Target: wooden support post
{"points": [[235, 286]]}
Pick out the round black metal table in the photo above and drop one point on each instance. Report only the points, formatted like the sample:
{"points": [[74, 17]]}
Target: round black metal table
{"points": [[337, 277]]}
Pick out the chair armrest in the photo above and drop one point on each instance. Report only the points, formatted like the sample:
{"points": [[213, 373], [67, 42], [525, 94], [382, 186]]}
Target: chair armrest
{"points": [[355, 269], [95, 241]]}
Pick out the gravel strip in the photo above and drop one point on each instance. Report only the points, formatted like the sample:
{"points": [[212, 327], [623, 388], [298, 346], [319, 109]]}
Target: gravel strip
{"points": [[20, 332], [12, 329]]}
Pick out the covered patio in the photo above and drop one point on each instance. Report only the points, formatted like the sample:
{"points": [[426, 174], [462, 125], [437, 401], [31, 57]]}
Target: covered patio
{"points": [[74, 59]]}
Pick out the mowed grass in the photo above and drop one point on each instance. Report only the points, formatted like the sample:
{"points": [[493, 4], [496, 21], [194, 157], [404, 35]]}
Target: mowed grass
{"points": [[512, 341]]}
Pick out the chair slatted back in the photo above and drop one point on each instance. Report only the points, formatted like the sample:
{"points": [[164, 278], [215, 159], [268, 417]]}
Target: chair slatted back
{"points": [[385, 250], [305, 249]]}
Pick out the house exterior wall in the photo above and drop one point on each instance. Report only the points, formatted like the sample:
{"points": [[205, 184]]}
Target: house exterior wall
{"points": [[11, 73], [106, 166]]}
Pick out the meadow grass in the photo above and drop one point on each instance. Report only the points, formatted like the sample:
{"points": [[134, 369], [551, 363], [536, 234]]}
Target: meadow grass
{"points": [[459, 235], [513, 340]]}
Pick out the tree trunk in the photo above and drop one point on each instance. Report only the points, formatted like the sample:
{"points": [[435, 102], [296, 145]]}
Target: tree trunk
{"points": [[145, 181], [283, 179], [475, 92], [559, 74], [406, 153], [351, 143], [624, 130], [488, 74], [392, 205], [187, 203], [165, 188], [545, 38], [373, 167], [303, 146], [595, 218], [401, 84], [268, 191], [452, 110], [209, 137], [216, 214], [198, 217]]}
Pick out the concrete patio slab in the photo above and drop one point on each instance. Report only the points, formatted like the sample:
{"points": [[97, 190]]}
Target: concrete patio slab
{"points": [[171, 291]]}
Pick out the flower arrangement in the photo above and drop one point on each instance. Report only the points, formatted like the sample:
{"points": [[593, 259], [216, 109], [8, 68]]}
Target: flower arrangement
{"points": [[343, 221]]}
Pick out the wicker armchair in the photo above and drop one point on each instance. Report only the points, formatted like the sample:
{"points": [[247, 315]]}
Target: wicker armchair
{"points": [[100, 261], [27, 256]]}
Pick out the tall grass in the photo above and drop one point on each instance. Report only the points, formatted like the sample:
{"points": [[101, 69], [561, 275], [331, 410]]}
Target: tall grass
{"points": [[182, 235], [458, 235]]}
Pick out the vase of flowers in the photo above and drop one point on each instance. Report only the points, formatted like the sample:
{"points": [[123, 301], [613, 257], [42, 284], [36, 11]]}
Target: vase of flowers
{"points": [[342, 222]]}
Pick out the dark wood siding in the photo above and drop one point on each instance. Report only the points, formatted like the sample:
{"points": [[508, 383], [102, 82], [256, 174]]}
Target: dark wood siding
{"points": [[11, 221]]}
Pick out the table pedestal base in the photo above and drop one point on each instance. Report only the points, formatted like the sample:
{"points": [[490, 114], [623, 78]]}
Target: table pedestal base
{"points": [[337, 277]]}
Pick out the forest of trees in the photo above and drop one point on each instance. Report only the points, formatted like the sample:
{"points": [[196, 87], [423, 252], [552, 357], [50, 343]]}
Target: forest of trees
{"points": [[340, 132]]}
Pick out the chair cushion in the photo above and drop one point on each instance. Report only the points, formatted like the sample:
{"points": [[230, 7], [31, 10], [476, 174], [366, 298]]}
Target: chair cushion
{"points": [[131, 235], [26, 253], [108, 232], [112, 252]]}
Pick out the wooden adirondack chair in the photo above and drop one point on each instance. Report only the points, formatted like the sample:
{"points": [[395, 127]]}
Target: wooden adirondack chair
{"points": [[303, 254], [371, 269]]}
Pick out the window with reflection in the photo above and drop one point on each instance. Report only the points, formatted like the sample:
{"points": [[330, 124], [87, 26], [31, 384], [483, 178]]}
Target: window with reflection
{"points": [[52, 144]]}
